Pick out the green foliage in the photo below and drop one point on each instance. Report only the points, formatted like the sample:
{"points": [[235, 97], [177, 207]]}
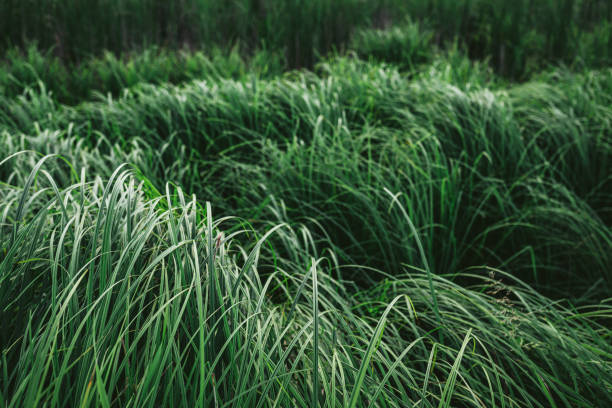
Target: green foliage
{"points": [[595, 47], [519, 36], [76, 27], [408, 229], [108, 74], [522, 36], [115, 296], [405, 45], [484, 174]]}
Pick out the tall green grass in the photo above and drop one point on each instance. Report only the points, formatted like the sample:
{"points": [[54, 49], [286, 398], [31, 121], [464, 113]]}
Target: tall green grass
{"points": [[74, 83], [481, 172], [401, 226], [405, 45], [116, 295]]}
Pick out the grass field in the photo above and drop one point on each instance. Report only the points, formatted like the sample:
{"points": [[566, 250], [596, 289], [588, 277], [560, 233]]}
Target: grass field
{"points": [[415, 220]]}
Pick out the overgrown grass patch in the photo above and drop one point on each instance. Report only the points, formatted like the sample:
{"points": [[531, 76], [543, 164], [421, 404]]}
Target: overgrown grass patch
{"points": [[400, 226]]}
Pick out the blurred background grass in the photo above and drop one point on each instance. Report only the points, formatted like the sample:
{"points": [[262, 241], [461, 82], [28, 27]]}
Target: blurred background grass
{"points": [[518, 37]]}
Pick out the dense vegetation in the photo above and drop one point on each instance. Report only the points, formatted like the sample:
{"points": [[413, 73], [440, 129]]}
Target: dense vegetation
{"points": [[517, 36], [401, 225]]}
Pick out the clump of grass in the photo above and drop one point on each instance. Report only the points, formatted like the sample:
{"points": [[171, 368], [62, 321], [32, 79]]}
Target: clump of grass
{"points": [[482, 170], [569, 115], [453, 66], [72, 83], [115, 295], [406, 45]]}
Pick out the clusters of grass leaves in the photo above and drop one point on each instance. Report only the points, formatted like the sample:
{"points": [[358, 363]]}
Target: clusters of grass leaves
{"points": [[483, 172], [389, 235], [115, 294], [405, 45], [73, 83]]}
